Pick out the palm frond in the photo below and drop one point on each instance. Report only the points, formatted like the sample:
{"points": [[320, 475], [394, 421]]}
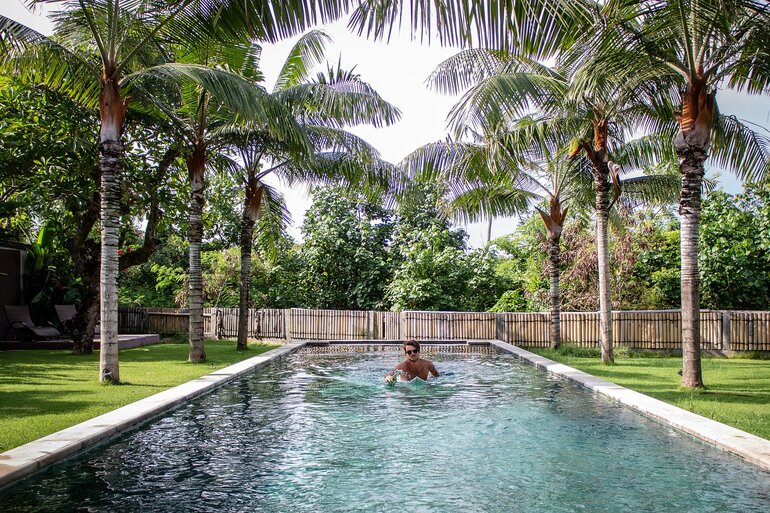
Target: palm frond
{"points": [[651, 190], [327, 138], [646, 152], [739, 149], [490, 200], [536, 27], [495, 102], [72, 74], [15, 36], [339, 100], [249, 100], [307, 52]]}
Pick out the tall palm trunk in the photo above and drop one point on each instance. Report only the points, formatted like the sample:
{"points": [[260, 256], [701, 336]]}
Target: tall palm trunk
{"points": [[112, 110], [554, 259], [602, 186], [554, 224], [601, 171], [195, 167], [691, 144], [250, 211]]}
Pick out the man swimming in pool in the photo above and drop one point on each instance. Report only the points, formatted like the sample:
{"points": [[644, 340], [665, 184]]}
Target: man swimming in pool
{"points": [[413, 366]]}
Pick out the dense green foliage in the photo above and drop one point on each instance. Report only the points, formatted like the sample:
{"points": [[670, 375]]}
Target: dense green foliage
{"points": [[357, 255], [345, 259], [49, 182], [738, 393], [434, 270], [734, 259]]}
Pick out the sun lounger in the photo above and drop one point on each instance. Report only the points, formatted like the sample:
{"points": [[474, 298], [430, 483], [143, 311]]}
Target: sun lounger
{"points": [[66, 313], [19, 319]]}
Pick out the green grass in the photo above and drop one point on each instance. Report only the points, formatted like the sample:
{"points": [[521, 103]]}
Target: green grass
{"points": [[737, 389], [42, 392]]}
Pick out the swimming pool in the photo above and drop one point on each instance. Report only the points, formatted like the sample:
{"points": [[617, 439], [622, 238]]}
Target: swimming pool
{"points": [[320, 432]]}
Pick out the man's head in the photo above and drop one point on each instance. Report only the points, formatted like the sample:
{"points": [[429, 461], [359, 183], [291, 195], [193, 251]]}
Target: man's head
{"points": [[412, 350]]}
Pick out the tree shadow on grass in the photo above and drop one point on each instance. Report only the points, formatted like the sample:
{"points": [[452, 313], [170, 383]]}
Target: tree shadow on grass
{"points": [[30, 403]]}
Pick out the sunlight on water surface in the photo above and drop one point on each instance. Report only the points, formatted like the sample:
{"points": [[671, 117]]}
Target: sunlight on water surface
{"points": [[322, 433]]}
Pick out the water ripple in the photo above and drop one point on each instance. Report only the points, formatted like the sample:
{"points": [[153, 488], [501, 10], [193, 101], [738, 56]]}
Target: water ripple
{"points": [[322, 433]]}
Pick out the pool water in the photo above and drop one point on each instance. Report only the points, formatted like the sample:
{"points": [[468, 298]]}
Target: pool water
{"points": [[322, 433]]}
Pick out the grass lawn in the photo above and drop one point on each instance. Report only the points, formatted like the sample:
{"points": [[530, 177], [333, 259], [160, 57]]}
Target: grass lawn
{"points": [[42, 392], [737, 389]]}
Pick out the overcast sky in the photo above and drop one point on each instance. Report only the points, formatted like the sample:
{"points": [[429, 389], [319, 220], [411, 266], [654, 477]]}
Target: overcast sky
{"points": [[397, 70]]}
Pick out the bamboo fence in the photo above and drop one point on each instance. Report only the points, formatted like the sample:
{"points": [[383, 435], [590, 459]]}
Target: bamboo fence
{"points": [[652, 329]]}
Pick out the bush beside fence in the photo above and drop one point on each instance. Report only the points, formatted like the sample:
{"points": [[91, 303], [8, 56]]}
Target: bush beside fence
{"points": [[651, 329]]}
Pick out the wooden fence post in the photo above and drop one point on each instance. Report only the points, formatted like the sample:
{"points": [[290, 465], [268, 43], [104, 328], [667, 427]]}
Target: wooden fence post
{"points": [[288, 324], [725, 330], [500, 327]]}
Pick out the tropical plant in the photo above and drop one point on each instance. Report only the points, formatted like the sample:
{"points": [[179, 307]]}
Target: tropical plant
{"points": [[689, 49], [210, 90], [346, 262], [49, 156], [98, 45], [321, 107], [504, 89]]}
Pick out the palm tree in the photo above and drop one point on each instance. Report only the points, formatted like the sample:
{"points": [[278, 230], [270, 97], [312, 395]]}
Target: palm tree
{"points": [[216, 88], [593, 112], [97, 42], [321, 107], [501, 178], [693, 48]]}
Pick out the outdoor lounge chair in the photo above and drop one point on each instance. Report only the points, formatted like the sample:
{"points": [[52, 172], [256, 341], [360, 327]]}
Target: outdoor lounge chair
{"points": [[66, 313], [19, 319]]}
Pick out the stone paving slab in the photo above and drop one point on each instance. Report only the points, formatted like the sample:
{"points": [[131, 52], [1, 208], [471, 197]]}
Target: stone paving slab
{"points": [[39, 454], [749, 447]]}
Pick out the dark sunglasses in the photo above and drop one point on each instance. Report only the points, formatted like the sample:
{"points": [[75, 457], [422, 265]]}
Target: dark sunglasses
{"points": [[410, 351]]}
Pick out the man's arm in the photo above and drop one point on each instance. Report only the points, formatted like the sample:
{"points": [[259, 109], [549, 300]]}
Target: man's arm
{"points": [[391, 376], [433, 370]]}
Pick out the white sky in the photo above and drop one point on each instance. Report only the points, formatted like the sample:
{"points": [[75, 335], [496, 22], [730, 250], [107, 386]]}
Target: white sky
{"points": [[397, 70]]}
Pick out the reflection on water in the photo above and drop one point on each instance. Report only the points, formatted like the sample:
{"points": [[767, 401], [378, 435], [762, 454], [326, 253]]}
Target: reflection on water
{"points": [[322, 432]]}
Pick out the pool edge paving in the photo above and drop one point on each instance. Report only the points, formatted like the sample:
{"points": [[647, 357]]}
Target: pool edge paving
{"points": [[750, 447], [35, 456]]}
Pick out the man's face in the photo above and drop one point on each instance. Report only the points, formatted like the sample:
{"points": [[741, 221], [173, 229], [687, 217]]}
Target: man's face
{"points": [[412, 353]]}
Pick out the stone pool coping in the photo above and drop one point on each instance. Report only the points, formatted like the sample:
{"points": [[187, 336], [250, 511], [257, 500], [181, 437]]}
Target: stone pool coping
{"points": [[39, 454], [749, 447]]}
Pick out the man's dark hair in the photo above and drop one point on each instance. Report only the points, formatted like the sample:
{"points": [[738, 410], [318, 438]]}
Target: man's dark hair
{"points": [[412, 342]]}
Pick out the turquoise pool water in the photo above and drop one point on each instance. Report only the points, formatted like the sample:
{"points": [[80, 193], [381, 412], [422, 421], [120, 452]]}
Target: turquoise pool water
{"points": [[322, 433]]}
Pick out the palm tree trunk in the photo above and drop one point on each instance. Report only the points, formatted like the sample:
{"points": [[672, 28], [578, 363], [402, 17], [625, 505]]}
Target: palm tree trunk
{"points": [[691, 144], [689, 209], [247, 233], [112, 111], [195, 167], [602, 185], [250, 211], [554, 259]]}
